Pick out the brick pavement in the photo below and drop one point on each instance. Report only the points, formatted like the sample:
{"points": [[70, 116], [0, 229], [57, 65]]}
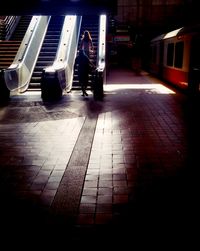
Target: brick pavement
{"points": [[121, 168]]}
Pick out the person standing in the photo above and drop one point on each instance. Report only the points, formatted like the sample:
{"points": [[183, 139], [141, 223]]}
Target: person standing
{"points": [[86, 43], [84, 65]]}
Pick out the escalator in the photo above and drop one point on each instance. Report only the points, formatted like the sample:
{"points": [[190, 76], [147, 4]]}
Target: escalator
{"points": [[48, 51], [21, 28], [90, 23], [9, 48]]}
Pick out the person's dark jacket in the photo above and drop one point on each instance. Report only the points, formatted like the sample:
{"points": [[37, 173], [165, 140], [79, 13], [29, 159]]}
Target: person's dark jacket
{"points": [[84, 65]]}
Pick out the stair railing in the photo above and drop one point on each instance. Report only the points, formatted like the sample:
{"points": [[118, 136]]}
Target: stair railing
{"points": [[101, 58], [7, 26], [17, 76], [102, 44], [63, 66]]}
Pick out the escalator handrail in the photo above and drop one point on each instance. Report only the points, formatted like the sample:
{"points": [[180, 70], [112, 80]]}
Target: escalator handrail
{"points": [[18, 74], [7, 26], [101, 53], [62, 67]]}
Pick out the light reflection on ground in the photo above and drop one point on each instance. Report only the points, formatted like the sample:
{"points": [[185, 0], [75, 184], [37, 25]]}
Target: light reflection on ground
{"points": [[150, 88]]}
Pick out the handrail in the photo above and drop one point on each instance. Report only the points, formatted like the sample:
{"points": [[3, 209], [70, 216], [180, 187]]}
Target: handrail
{"points": [[63, 66], [101, 69], [7, 26], [26, 41], [102, 44], [18, 75]]}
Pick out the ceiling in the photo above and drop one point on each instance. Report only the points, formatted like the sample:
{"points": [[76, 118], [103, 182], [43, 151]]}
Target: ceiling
{"points": [[57, 7], [147, 16]]}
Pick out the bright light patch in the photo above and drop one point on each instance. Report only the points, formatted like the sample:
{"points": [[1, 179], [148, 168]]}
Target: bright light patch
{"points": [[150, 88], [36, 92], [184, 83], [102, 39], [172, 33]]}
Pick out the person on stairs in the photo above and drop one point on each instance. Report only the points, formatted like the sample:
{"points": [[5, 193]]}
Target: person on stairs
{"points": [[86, 43], [84, 66]]}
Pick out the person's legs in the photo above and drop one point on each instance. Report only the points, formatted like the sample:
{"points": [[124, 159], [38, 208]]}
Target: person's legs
{"points": [[85, 83], [84, 87], [83, 80]]}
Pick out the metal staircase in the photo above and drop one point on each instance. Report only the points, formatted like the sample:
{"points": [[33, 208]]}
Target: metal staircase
{"points": [[48, 51], [9, 48], [90, 23]]}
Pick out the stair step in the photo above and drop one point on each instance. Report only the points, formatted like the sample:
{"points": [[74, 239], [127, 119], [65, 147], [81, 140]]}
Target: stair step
{"points": [[9, 48]]}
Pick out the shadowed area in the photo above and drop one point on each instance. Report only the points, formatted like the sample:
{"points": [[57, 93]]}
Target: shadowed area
{"points": [[121, 171]]}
